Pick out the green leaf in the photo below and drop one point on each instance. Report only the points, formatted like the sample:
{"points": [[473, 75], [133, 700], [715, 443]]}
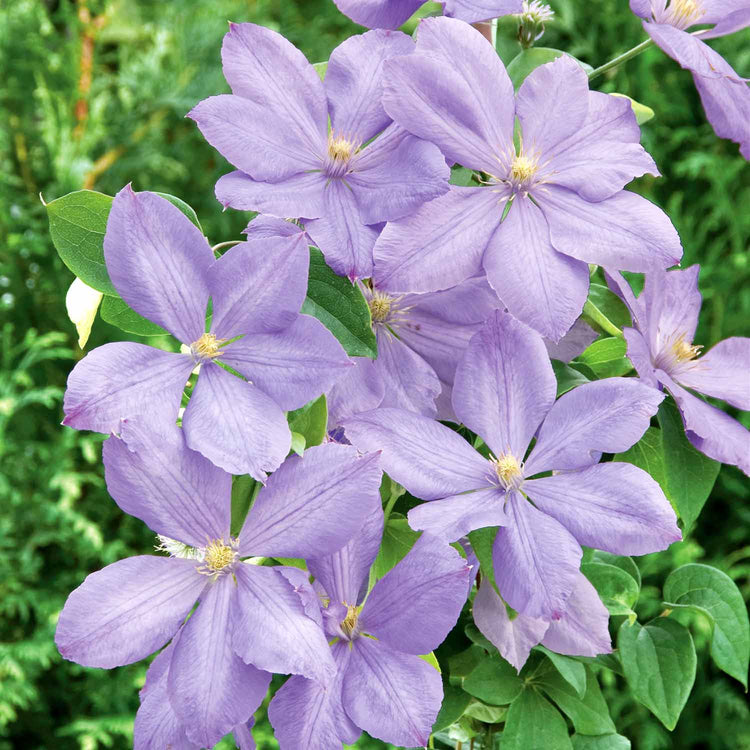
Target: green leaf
{"points": [[310, 421], [341, 307], [609, 305], [455, 702], [398, 539], [617, 589], [461, 665], [529, 59], [486, 714], [619, 561], [294, 562], [589, 714], [572, 671], [606, 357], [244, 490], [705, 589], [689, 475], [601, 742], [321, 68], [641, 111], [659, 664], [494, 681], [532, 722], [567, 377], [115, 311], [461, 176], [298, 443], [431, 659], [481, 542], [475, 636], [648, 454]]}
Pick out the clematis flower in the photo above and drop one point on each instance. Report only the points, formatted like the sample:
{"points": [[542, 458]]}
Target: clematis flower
{"points": [[250, 620], [724, 93], [274, 129], [504, 391], [381, 684], [163, 267], [390, 14], [661, 348], [562, 187]]}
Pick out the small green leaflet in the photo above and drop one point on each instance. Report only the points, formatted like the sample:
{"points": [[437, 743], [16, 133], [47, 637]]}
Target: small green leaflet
{"points": [[529, 59], [606, 357], [115, 311], [310, 421], [494, 681], [617, 589], [532, 722]]}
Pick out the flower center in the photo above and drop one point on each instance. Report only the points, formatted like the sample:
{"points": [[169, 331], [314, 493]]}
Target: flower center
{"points": [[218, 556], [207, 347], [681, 13], [509, 471], [339, 153], [677, 354], [523, 169], [380, 306], [349, 623]]}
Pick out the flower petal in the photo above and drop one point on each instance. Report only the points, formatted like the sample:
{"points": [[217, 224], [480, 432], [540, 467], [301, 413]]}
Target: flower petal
{"points": [[123, 380], [360, 389], [606, 416], [426, 457], [126, 611], [235, 425], [472, 11], [573, 343], [539, 286], [504, 385], [378, 14], [266, 227], [640, 356], [614, 506], [158, 259], [314, 504]]}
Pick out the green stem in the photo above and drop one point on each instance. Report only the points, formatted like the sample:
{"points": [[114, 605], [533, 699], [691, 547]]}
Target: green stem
{"points": [[389, 507], [624, 57], [592, 314], [225, 244]]}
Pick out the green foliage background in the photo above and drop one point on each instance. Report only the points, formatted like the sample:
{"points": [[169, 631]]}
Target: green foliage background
{"points": [[152, 61]]}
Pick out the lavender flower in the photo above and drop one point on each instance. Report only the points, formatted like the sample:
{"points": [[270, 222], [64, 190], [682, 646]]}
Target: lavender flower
{"points": [[724, 93], [504, 391], [273, 128], [162, 266], [662, 351], [251, 620], [390, 14], [577, 151], [381, 685]]}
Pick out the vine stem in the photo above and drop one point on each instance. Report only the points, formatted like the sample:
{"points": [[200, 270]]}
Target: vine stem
{"points": [[624, 57], [229, 243]]}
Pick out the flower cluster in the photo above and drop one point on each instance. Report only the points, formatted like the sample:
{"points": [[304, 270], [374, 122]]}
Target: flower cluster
{"points": [[472, 291]]}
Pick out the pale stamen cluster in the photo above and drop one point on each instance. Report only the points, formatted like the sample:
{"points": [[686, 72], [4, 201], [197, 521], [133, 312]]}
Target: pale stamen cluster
{"points": [[207, 347], [349, 623], [681, 13], [386, 311], [678, 354], [509, 470], [219, 557], [339, 152]]}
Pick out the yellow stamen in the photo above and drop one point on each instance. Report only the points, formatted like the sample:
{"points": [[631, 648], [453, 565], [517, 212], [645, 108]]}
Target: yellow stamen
{"points": [[218, 555], [685, 351], [340, 148], [508, 469], [684, 13], [350, 621], [380, 306], [207, 346], [523, 168]]}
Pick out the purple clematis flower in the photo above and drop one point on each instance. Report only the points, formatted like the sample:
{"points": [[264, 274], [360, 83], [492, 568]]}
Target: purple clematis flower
{"points": [[578, 149], [251, 620], [661, 349], [274, 129], [381, 685], [163, 267], [504, 391], [724, 93], [390, 14]]}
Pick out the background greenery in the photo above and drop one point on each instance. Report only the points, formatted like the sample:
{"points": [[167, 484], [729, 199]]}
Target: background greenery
{"points": [[93, 94]]}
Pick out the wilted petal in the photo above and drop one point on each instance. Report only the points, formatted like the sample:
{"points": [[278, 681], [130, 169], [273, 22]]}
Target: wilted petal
{"points": [[210, 688], [394, 697], [293, 365], [625, 232], [123, 380], [536, 561], [360, 389], [614, 506], [235, 425], [259, 286], [514, 638], [314, 504], [441, 244], [127, 611], [378, 14], [479, 10], [539, 286], [271, 629], [416, 603], [154, 476], [158, 259], [606, 416], [504, 385], [427, 458]]}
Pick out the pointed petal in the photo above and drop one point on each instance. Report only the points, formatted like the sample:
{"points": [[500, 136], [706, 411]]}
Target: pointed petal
{"points": [[376, 14], [454, 517], [127, 611], [441, 244], [210, 688], [536, 561], [640, 356], [353, 82], [154, 476], [395, 175], [730, 17], [514, 638], [723, 372], [504, 385], [584, 628], [360, 389], [539, 286], [271, 629], [429, 459], [394, 697], [265, 227], [259, 286], [124, 380], [414, 606], [606, 416], [614, 506], [314, 504], [235, 425], [624, 232], [472, 11], [158, 259]]}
